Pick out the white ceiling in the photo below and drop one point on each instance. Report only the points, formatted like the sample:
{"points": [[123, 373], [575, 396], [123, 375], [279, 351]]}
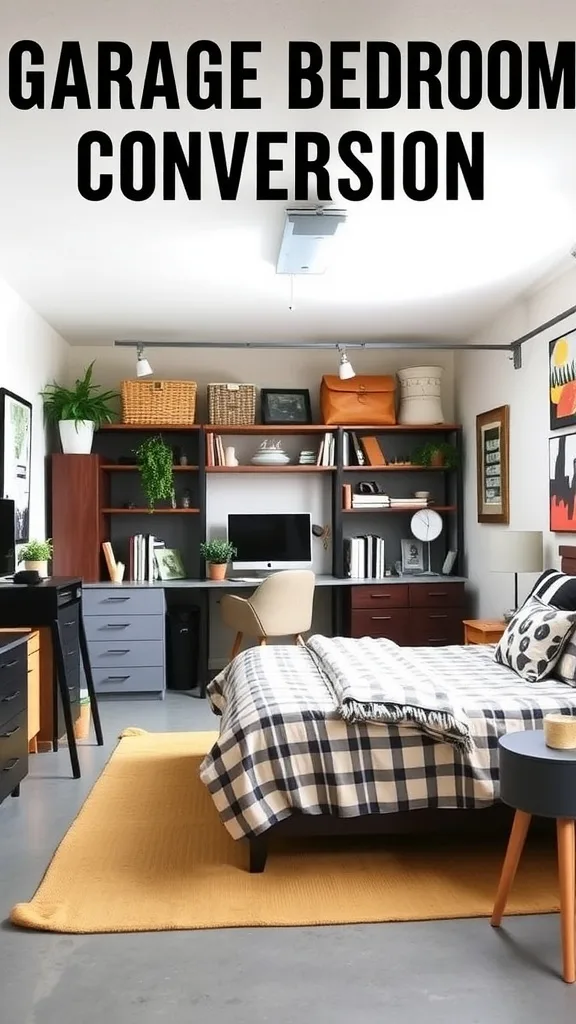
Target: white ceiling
{"points": [[206, 271]]}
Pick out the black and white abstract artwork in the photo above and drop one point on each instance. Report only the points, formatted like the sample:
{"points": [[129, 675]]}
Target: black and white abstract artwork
{"points": [[15, 458]]}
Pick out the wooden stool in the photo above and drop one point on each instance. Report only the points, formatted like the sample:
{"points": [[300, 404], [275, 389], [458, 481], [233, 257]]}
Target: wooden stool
{"points": [[536, 779]]}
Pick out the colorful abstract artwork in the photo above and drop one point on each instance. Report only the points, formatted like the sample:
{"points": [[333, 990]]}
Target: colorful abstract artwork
{"points": [[562, 383], [563, 484]]}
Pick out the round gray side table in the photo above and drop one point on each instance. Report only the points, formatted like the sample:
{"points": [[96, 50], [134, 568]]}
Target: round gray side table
{"points": [[536, 779]]}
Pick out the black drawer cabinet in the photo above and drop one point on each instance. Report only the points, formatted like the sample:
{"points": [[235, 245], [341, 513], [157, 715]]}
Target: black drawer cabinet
{"points": [[13, 713]]}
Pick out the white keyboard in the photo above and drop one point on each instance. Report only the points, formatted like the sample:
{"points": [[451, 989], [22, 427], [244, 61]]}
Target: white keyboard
{"points": [[248, 579]]}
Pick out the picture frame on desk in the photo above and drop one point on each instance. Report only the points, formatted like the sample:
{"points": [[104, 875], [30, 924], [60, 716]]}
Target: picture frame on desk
{"points": [[169, 564], [15, 458], [287, 406], [412, 557]]}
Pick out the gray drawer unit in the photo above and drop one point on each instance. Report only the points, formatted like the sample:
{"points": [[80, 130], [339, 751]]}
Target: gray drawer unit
{"points": [[129, 680], [115, 601], [133, 653], [125, 633], [117, 628]]}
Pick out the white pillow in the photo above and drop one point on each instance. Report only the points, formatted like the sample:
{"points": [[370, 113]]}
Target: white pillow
{"points": [[534, 639]]}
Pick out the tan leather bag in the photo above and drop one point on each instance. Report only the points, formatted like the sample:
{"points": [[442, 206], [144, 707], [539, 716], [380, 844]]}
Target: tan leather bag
{"points": [[360, 401]]}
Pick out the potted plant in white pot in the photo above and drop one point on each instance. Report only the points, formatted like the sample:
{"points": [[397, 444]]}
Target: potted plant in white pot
{"points": [[35, 555], [78, 411], [217, 554]]}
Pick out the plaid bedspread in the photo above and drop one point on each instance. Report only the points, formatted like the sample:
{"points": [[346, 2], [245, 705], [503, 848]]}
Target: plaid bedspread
{"points": [[378, 681], [284, 747]]}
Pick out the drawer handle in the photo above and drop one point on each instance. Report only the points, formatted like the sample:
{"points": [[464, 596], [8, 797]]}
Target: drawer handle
{"points": [[11, 696], [71, 622], [437, 639], [440, 615], [126, 651], [378, 618], [380, 597], [71, 651], [64, 596], [117, 625], [5, 735], [115, 679], [9, 664], [126, 598], [436, 593], [11, 764]]}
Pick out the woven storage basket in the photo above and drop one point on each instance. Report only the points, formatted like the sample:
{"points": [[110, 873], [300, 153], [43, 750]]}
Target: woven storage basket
{"points": [[152, 402], [232, 405]]}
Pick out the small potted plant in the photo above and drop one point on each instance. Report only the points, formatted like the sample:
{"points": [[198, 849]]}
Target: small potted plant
{"points": [[217, 554], [78, 411], [35, 555], [156, 464], [436, 454]]}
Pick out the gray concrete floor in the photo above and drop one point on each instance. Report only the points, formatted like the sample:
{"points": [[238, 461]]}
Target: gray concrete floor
{"points": [[441, 972]]}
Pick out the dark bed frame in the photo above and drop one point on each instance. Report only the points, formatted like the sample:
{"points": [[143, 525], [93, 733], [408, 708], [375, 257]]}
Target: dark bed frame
{"points": [[494, 819]]}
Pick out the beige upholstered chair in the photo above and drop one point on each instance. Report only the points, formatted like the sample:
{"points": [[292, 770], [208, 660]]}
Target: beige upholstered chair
{"points": [[281, 606]]}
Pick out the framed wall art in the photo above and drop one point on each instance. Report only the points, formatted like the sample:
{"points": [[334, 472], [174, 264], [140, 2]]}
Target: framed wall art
{"points": [[15, 457], [492, 461], [562, 382], [563, 483], [285, 405]]}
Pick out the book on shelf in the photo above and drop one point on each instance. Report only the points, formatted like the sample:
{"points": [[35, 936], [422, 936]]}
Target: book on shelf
{"points": [[142, 566], [364, 557], [327, 450]]}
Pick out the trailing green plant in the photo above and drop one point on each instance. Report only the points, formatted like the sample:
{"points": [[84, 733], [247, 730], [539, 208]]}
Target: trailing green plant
{"points": [[155, 461], [83, 401], [217, 552], [424, 455], [36, 551]]}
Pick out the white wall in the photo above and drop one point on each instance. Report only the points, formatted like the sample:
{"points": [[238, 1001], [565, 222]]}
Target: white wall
{"points": [[486, 380], [31, 355]]}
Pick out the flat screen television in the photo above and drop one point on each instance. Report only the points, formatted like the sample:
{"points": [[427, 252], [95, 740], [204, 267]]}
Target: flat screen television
{"points": [[271, 540], [7, 538]]}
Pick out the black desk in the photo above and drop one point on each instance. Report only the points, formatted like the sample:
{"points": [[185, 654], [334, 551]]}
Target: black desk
{"points": [[56, 604]]}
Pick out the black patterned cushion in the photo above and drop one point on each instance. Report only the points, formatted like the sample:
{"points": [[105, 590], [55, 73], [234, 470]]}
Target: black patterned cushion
{"points": [[556, 588], [566, 667], [534, 639]]}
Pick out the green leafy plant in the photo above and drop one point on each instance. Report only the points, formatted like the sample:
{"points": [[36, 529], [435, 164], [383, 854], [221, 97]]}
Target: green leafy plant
{"points": [[426, 454], [217, 552], [155, 462], [36, 551], [83, 401]]}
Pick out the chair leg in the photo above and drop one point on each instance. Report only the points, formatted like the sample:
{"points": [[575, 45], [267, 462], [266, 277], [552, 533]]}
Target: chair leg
{"points": [[516, 842], [566, 872], [236, 646], [262, 641]]}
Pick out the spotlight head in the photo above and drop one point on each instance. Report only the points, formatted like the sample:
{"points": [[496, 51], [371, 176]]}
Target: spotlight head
{"points": [[345, 370], [143, 368]]}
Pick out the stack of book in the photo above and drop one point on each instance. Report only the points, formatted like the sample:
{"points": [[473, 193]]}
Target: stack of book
{"points": [[326, 451], [409, 502], [371, 500], [214, 450], [364, 557], [307, 457]]}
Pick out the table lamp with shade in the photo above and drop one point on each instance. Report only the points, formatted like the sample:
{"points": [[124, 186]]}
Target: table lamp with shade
{"points": [[516, 551]]}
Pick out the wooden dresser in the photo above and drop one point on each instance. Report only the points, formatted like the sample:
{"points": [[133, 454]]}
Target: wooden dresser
{"points": [[422, 614]]}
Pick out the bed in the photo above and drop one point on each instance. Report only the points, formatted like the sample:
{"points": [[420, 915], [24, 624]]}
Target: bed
{"points": [[291, 761]]}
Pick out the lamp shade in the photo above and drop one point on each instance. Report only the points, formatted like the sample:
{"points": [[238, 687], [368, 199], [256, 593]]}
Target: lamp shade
{"points": [[516, 551]]}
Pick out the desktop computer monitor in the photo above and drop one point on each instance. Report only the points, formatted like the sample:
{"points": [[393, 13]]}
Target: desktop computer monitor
{"points": [[7, 538], [271, 540]]}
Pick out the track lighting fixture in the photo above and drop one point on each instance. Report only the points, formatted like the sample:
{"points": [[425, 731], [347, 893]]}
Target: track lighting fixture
{"points": [[143, 368], [346, 370]]}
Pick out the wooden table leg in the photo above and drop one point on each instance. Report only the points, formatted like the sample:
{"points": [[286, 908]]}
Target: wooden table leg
{"points": [[90, 682], [518, 834], [567, 876], [65, 697]]}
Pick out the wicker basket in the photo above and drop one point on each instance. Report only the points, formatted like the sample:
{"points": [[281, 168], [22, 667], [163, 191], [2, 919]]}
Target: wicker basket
{"points": [[232, 405], [156, 402]]}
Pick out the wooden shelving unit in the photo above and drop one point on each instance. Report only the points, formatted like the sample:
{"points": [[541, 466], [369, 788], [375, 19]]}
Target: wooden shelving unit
{"points": [[90, 492]]}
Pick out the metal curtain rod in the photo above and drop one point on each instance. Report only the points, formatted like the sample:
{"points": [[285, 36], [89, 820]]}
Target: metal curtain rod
{"points": [[514, 348]]}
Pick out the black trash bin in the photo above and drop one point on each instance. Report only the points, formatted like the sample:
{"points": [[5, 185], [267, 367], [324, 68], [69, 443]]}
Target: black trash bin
{"points": [[182, 634]]}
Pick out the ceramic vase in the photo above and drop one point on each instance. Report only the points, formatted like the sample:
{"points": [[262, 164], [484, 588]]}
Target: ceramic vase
{"points": [[230, 457], [40, 567], [421, 395]]}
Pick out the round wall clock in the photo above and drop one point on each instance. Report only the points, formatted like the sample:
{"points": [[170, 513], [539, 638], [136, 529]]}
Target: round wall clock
{"points": [[426, 525]]}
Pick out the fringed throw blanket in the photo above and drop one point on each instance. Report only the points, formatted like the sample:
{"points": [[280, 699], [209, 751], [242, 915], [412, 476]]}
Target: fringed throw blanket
{"points": [[378, 681]]}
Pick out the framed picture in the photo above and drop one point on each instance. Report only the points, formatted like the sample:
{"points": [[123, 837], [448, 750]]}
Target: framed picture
{"points": [[169, 563], [279, 405], [412, 556], [563, 483], [15, 453], [492, 461], [562, 382]]}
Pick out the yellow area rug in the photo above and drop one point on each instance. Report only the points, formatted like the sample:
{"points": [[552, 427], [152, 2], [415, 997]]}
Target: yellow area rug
{"points": [[148, 853]]}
